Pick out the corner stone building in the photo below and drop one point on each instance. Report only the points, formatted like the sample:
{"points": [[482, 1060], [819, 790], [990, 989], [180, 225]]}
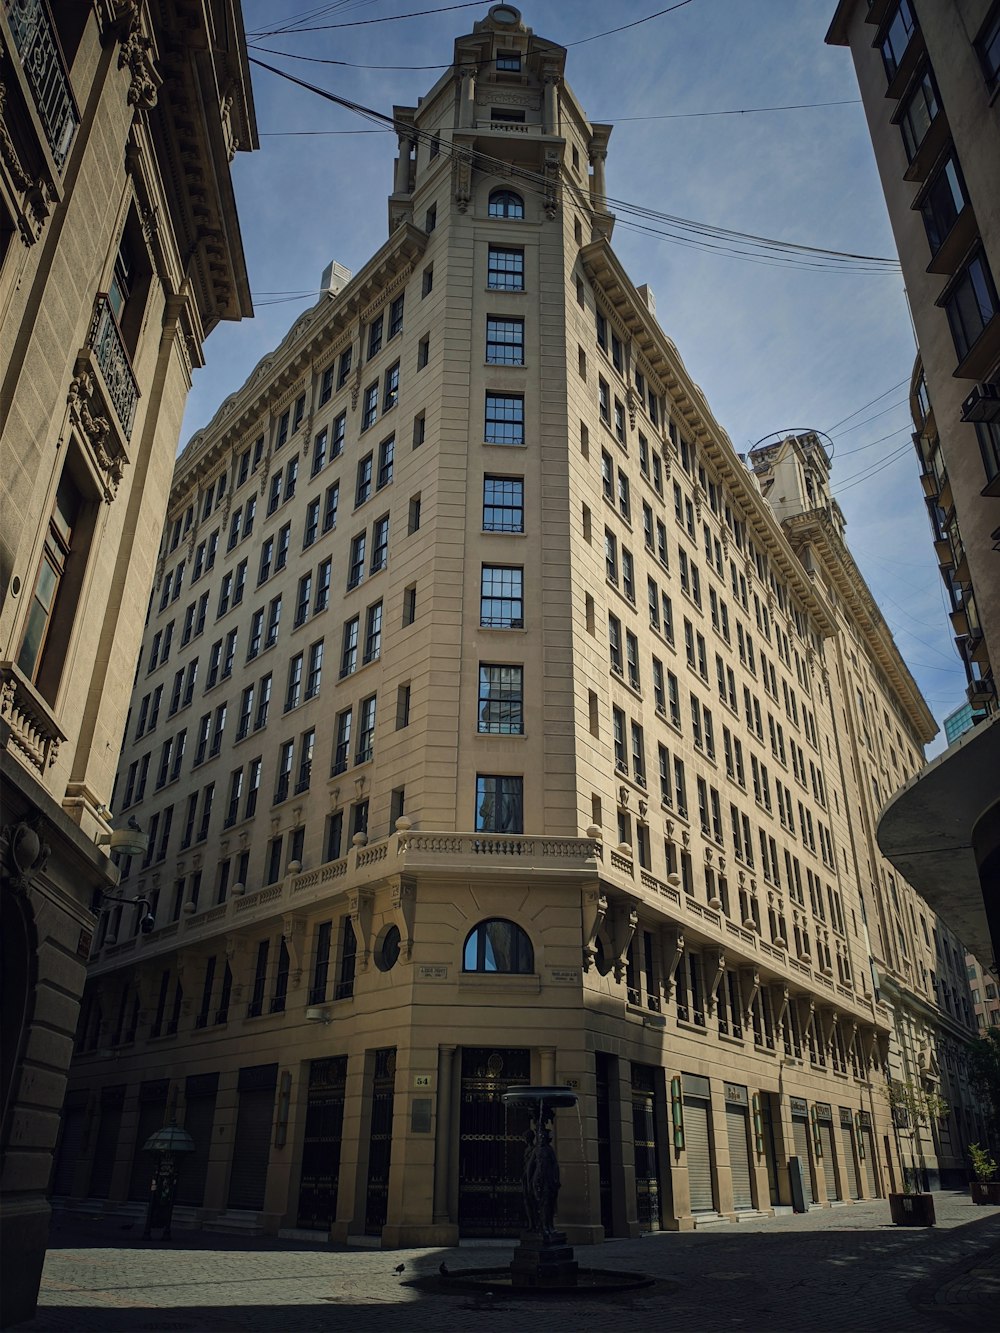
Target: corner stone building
{"points": [[488, 729], [119, 252]]}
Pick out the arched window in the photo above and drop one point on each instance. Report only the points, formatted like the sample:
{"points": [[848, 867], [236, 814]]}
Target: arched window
{"points": [[506, 204], [498, 946]]}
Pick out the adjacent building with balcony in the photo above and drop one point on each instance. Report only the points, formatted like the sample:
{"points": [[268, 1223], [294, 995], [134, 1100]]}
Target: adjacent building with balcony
{"points": [[929, 76], [119, 252], [495, 723]]}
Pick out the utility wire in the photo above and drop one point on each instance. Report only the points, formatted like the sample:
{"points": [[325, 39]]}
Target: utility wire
{"points": [[700, 234], [363, 23], [871, 404]]}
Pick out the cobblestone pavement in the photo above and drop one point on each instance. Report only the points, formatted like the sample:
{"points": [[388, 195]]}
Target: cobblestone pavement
{"points": [[833, 1269]]}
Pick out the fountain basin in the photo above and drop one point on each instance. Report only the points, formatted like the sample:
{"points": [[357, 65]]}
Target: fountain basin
{"points": [[545, 1098]]}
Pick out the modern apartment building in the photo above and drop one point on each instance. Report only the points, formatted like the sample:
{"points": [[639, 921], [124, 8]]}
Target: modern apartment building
{"points": [[961, 720], [929, 75], [495, 723], [119, 252]]}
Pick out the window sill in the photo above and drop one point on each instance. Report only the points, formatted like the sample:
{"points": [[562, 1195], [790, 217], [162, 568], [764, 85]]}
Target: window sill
{"points": [[504, 444], [501, 532], [502, 629], [503, 735]]}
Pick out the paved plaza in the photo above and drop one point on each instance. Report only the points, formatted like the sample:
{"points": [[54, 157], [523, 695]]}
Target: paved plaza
{"points": [[844, 1268]]}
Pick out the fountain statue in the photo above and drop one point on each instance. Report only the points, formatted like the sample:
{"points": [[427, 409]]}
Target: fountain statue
{"points": [[543, 1258]]}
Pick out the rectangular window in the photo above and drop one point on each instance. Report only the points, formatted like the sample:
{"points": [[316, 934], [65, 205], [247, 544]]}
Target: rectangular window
{"points": [[897, 38], [918, 113], [366, 730], [970, 302], [943, 201], [380, 543], [331, 502], [342, 746], [286, 759], [504, 418], [323, 577], [501, 598], [314, 673], [505, 269], [504, 341], [386, 453], [349, 651], [273, 620], [499, 804], [264, 705], [363, 486], [246, 712], [503, 504], [396, 317], [281, 550], [303, 599], [501, 700], [409, 604], [369, 407], [307, 744], [373, 633], [344, 367], [311, 530], [293, 693], [375, 336], [423, 351], [356, 564], [390, 388], [413, 516], [402, 707]]}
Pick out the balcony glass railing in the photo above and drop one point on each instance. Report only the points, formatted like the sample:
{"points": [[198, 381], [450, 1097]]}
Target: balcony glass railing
{"points": [[109, 350], [31, 28]]}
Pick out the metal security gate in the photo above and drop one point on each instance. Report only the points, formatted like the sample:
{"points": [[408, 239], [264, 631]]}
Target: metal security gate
{"points": [[252, 1141], [770, 1149], [321, 1147], [604, 1067], [491, 1142], [697, 1149], [738, 1134], [380, 1141], [868, 1144], [70, 1144], [152, 1113], [647, 1171], [199, 1120], [106, 1144], [847, 1149], [800, 1139], [824, 1122]]}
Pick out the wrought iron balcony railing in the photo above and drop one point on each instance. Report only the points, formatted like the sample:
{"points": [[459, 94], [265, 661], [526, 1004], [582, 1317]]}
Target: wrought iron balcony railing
{"points": [[31, 28], [113, 359]]}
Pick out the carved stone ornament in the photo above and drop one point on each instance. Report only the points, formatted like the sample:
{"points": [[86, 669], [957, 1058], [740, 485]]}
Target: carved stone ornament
{"points": [[23, 852], [553, 175], [135, 56], [461, 173], [94, 426]]}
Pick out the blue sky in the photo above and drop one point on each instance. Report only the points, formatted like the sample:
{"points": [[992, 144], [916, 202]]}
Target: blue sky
{"points": [[772, 347]]}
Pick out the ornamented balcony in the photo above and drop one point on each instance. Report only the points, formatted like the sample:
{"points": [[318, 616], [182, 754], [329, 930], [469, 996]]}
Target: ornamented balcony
{"points": [[38, 49], [109, 350], [34, 733]]}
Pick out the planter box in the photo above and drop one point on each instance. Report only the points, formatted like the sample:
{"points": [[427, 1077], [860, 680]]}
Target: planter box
{"points": [[986, 1191], [912, 1210]]}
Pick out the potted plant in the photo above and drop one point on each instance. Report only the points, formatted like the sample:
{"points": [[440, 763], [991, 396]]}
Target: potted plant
{"points": [[911, 1105], [984, 1188]]}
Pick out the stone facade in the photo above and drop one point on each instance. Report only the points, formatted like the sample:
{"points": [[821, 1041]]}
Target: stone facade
{"points": [[488, 728], [928, 75], [119, 252]]}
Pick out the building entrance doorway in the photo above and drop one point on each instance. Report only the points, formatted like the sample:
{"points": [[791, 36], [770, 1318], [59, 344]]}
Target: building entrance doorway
{"points": [[491, 1141], [380, 1141], [321, 1145], [647, 1171]]}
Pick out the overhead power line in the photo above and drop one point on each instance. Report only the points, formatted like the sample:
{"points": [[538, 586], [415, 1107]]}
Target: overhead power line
{"points": [[363, 23], [684, 231], [858, 410]]}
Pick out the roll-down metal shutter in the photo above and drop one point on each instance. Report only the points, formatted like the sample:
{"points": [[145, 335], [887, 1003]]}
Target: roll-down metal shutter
{"points": [[152, 1113], [800, 1137], [69, 1148], [739, 1156], [106, 1142], [698, 1154], [252, 1143], [871, 1175], [850, 1162], [199, 1119], [829, 1160]]}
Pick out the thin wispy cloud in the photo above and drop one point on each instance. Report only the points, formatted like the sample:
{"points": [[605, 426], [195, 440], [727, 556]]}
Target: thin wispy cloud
{"points": [[772, 347]]}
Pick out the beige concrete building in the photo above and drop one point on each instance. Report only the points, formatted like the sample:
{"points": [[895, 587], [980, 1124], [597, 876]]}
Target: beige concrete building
{"points": [[119, 252], [929, 73], [494, 733]]}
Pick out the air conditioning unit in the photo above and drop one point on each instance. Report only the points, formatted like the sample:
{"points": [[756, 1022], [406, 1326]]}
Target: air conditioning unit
{"points": [[982, 404], [981, 693]]}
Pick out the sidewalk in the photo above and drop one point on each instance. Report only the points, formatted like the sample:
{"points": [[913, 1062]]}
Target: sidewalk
{"points": [[830, 1270]]}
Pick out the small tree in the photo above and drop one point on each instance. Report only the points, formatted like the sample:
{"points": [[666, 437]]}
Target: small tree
{"points": [[984, 1073], [984, 1168], [911, 1105]]}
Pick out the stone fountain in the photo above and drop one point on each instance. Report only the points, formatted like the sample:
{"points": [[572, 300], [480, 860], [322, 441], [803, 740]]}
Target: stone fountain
{"points": [[543, 1263]]}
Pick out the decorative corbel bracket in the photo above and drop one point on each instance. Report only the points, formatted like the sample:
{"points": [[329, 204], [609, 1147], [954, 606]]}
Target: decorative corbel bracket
{"points": [[359, 908], [712, 990], [626, 921], [750, 981], [595, 909], [403, 897], [293, 932], [673, 956]]}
